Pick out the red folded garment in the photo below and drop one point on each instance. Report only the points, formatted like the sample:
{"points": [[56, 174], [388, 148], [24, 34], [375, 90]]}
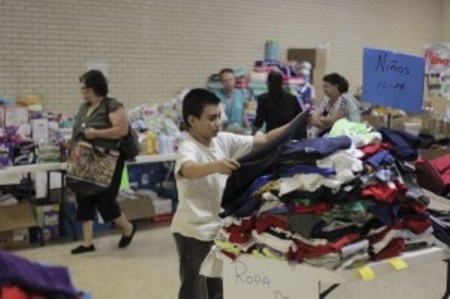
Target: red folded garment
{"points": [[240, 238], [311, 251], [442, 165], [316, 209], [394, 248], [265, 221], [385, 192], [246, 225], [417, 226], [14, 292], [370, 150]]}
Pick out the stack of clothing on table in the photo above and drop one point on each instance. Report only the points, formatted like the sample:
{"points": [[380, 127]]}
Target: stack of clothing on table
{"points": [[258, 77], [332, 202], [293, 82], [20, 278]]}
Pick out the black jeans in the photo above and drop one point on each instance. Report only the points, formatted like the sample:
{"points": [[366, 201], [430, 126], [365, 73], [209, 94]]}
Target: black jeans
{"points": [[191, 253]]}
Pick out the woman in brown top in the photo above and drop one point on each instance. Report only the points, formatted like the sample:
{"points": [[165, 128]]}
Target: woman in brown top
{"points": [[101, 121]]}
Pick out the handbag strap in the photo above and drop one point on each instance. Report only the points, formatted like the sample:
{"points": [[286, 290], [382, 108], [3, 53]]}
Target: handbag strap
{"points": [[107, 115]]}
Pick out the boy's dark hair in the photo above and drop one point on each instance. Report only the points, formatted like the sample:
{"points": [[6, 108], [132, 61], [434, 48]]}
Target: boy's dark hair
{"points": [[224, 71], [195, 101], [336, 79], [96, 80]]}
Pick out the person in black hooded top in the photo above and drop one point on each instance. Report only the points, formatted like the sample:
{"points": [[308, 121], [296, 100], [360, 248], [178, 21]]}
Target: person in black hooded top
{"points": [[276, 107]]}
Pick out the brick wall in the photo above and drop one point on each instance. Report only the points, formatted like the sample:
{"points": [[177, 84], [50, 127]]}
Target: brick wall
{"points": [[153, 49], [446, 21]]}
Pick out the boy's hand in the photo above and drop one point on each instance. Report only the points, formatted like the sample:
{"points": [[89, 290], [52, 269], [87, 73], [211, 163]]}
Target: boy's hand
{"points": [[227, 166]]}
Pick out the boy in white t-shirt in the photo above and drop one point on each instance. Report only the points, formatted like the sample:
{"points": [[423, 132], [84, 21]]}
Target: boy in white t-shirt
{"points": [[204, 162]]}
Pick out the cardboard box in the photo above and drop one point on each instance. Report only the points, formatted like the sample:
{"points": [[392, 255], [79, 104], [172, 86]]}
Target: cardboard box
{"points": [[32, 102], [162, 218], [14, 223], [317, 82], [70, 210], [398, 123], [24, 153], [2, 121], [376, 121], [16, 217], [162, 206], [40, 130], [141, 208], [439, 105], [47, 217], [14, 239], [265, 278], [317, 57], [16, 116], [5, 154]]}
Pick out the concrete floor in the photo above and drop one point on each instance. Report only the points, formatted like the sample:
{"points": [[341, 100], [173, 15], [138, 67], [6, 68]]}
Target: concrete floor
{"points": [[149, 269]]}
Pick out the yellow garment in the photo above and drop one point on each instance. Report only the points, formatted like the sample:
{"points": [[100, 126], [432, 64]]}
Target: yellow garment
{"points": [[272, 185], [270, 255], [228, 247]]}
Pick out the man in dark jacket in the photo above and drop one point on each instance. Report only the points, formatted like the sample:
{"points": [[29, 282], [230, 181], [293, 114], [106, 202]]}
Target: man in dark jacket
{"points": [[276, 107]]}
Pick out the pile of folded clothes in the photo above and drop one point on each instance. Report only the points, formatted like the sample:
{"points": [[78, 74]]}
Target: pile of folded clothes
{"points": [[333, 202]]}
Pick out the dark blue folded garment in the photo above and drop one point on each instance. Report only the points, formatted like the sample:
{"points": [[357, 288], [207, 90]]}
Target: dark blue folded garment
{"points": [[386, 213], [404, 145], [381, 158], [249, 202], [442, 233], [316, 148], [256, 164]]}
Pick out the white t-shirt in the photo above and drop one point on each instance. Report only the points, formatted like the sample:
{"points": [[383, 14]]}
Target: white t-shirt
{"points": [[197, 215]]}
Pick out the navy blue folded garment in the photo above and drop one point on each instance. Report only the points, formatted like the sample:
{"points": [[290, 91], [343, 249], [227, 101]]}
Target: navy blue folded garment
{"points": [[249, 202], [256, 164], [372, 224], [441, 228], [408, 213], [404, 145], [34, 277], [386, 213], [346, 194], [316, 148], [381, 158]]}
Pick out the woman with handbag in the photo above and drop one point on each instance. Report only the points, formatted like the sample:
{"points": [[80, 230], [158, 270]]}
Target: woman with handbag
{"points": [[100, 121]]}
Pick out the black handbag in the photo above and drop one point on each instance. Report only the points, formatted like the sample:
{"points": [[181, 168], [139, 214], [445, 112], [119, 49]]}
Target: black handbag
{"points": [[129, 145]]}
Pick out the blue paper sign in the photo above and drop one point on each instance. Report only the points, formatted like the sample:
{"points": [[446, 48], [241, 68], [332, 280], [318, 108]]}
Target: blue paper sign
{"points": [[393, 79]]}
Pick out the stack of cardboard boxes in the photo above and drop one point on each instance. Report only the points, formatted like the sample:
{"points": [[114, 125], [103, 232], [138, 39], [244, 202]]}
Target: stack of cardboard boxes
{"points": [[318, 60]]}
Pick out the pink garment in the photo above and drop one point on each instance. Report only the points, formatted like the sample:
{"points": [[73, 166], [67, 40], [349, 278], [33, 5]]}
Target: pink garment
{"points": [[442, 165]]}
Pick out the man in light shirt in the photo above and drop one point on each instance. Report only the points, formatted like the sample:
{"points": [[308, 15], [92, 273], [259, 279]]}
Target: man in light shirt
{"points": [[233, 101]]}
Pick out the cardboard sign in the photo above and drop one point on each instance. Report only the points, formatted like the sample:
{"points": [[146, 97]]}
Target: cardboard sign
{"points": [[393, 79], [263, 278]]}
